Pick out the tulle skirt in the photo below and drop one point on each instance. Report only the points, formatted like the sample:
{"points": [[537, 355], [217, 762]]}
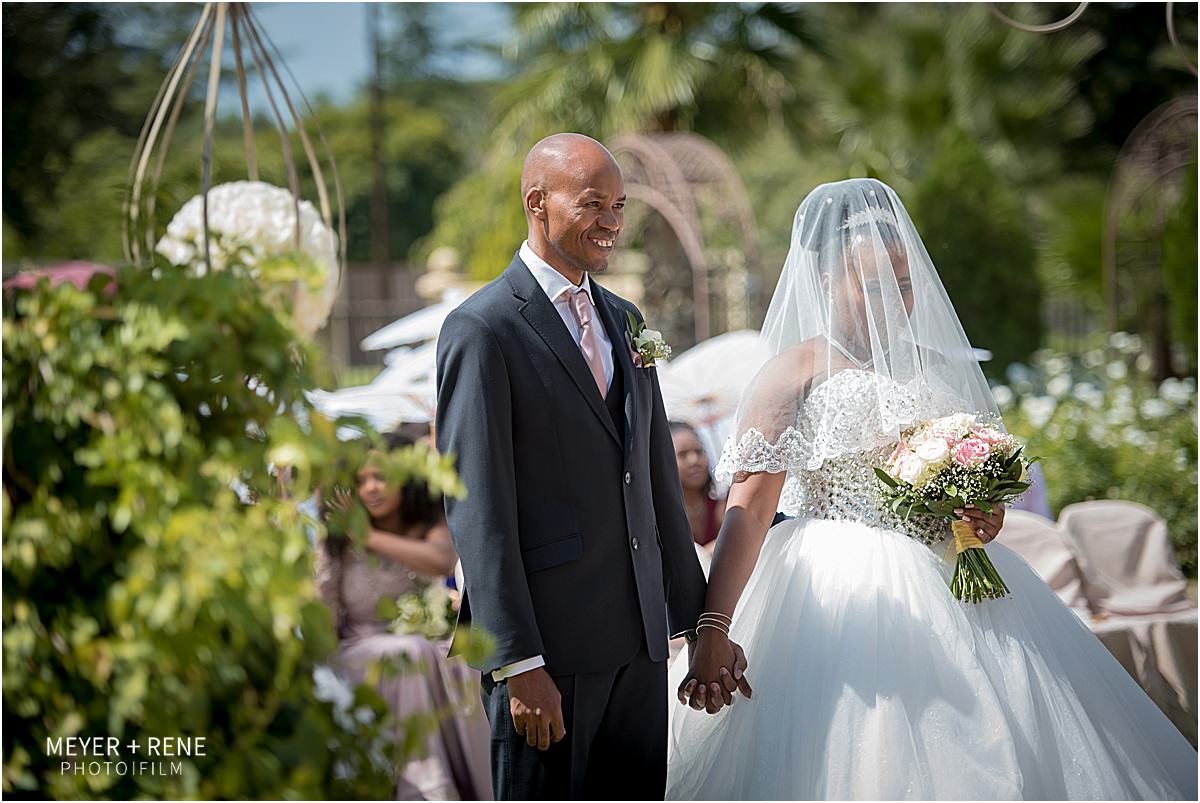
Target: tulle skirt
{"points": [[872, 682]]}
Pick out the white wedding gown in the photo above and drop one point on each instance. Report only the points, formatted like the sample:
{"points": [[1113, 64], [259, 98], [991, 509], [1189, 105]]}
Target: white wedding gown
{"points": [[872, 682]]}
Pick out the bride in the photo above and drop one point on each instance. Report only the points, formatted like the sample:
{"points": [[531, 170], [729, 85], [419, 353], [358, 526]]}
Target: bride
{"points": [[870, 680]]}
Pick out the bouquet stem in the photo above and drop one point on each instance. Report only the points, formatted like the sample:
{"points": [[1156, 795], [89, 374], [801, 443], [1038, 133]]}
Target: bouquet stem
{"points": [[975, 578]]}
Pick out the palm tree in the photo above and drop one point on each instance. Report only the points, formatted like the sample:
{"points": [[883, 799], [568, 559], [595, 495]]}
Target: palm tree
{"points": [[608, 69]]}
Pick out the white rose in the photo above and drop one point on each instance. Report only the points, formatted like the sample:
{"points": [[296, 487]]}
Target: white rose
{"points": [[933, 451], [911, 469], [651, 336]]}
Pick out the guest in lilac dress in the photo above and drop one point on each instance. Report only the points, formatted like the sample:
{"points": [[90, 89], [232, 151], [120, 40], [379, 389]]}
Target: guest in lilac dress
{"points": [[408, 547]]}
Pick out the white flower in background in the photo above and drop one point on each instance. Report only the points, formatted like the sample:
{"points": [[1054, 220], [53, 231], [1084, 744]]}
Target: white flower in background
{"points": [[1135, 437], [1018, 372], [252, 221], [1156, 408], [1143, 362], [1116, 370], [1122, 341], [1059, 386], [1055, 366], [1121, 411], [1003, 396], [1089, 394], [329, 688], [1039, 409], [1094, 358], [1176, 391]]}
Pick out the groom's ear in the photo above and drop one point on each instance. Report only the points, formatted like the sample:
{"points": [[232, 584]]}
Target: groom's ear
{"points": [[535, 203]]}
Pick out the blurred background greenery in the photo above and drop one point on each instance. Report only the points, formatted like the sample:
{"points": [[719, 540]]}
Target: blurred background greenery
{"points": [[1006, 145]]}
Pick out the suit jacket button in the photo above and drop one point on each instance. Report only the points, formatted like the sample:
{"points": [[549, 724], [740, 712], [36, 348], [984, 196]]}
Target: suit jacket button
{"points": [[634, 543], [628, 477]]}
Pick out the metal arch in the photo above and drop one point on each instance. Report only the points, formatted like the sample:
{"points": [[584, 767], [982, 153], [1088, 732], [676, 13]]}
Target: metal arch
{"points": [[1159, 147], [1187, 58], [1050, 27], [249, 44], [702, 162], [667, 171]]}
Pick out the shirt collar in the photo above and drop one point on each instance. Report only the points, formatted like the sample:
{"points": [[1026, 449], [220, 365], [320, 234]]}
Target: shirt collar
{"points": [[553, 283]]}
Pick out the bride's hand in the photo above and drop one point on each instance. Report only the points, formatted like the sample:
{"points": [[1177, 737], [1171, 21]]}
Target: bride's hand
{"points": [[987, 525], [717, 669]]}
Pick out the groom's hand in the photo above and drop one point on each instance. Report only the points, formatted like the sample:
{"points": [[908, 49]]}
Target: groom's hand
{"points": [[536, 708], [717, 669]]}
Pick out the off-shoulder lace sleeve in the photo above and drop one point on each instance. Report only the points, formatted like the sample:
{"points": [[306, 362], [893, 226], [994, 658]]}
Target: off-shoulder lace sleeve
{"points": [[753, 453]]}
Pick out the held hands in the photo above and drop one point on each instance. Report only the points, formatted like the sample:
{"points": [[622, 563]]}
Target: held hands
{"points": [[717, 669], [987, 525], [536, 708]]}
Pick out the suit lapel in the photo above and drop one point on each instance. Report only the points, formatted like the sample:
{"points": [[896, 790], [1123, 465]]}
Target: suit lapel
{"points": [[540, 314], [618, 332]]}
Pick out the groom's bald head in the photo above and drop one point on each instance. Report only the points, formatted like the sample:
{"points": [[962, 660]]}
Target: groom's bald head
{"points": [[574, 199], [561, 159]]}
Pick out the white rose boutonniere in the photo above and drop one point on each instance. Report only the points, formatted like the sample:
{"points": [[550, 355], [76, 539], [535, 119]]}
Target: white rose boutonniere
{"points": [[647, 345]]}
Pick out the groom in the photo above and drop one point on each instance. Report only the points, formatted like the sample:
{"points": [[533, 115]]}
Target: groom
{"points": [[576, 551]]}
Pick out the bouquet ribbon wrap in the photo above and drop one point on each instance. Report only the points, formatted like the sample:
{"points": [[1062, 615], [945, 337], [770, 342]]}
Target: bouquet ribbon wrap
{"points": [[964, 538]]}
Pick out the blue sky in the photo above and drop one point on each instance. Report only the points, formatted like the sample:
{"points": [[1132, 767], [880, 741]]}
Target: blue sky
{"points": [[325, 44]]}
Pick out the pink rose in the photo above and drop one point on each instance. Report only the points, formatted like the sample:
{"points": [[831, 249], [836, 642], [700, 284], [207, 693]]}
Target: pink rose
{"points": [[999, 441], [971, 452]]}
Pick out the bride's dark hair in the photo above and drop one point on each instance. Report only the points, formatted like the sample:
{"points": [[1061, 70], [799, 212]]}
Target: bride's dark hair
{"points": [[841, 204]]}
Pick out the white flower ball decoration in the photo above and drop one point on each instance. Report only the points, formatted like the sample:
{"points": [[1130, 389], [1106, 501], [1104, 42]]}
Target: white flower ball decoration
{"points": [[253, 220]]}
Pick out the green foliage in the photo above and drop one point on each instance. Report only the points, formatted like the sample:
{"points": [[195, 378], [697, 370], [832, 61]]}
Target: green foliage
{"points": [[1104, 430], [142, 597], [607, 69], [428, 611], [897, 75], [482, 217], [976, 231], [1070, 231], [1179, 267]]}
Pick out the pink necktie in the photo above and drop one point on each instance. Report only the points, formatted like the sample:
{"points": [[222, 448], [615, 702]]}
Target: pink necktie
{"points": [[581, 305]]}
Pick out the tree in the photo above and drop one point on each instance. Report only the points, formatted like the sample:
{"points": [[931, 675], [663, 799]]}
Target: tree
{"points": [[718, 69], [977, 233], [72, 71]]}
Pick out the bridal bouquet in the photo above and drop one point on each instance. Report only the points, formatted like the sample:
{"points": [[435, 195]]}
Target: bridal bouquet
{"points": [[948, 463]]}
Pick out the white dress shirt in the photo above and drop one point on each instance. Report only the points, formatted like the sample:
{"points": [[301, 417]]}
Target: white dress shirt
{"points": [[558, 289]]}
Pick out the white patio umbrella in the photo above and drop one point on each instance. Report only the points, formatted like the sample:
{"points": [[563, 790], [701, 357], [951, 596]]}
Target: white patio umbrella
{"points": [[420, 326], [404, 392], [702, 386]]}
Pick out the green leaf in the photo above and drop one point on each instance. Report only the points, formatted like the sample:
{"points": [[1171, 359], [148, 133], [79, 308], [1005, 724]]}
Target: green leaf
{"points": [[886, 478]]}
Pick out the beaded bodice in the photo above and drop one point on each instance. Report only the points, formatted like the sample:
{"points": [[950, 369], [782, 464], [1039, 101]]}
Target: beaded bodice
{"points": [[846, 489], [844, 411]]}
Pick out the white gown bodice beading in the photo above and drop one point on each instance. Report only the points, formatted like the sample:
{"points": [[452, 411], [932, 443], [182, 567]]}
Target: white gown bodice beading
{"points": [[831, 452]]}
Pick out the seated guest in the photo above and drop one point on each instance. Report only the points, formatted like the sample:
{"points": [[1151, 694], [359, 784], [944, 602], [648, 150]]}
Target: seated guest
{"points": [[705, 510], [407, 548]]}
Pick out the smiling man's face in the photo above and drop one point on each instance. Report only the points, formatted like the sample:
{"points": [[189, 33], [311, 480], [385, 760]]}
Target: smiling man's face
{"points": [[585, 221], [579, 205]]}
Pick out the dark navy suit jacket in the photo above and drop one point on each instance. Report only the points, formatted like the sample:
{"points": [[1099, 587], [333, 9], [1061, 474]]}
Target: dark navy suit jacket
{"points": [[573, 537]]}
